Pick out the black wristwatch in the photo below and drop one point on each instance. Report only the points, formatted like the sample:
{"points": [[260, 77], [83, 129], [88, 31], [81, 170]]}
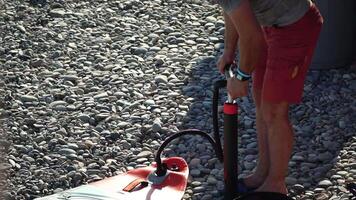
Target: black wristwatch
{"points": [[242, 76]]}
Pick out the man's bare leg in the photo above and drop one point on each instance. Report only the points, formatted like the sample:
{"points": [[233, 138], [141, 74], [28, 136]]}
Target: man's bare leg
{"points": [[280, 134], [257, 178]]}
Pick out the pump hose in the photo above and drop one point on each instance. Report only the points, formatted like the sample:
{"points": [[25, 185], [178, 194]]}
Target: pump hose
{"points": [[216, 143]]}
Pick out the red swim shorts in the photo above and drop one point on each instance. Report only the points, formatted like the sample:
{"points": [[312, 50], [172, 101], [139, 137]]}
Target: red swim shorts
{"points": [[281, 74]]}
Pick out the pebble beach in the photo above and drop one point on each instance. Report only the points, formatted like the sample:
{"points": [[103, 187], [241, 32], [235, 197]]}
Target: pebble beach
{"points": [[90, 89]]}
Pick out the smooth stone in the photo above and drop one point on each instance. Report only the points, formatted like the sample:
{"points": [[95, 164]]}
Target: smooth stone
{"points": [[298, 188], [69, 77], [28, 98], [125, 144], [21, 28], [58, 190], [249, 158], [201, 147], [353, 85], [141, 160], [196, 183], [326, 156], [123, 124], [290, 180], [57, 103], [182, 148], [144, 154], [334, 177], [220, 186], [101, 95], [12, 162], [66, 151], [342, 173], [149, 102], [210, 19], [199, 189], [73, 146], [342, 124], [319, 190], [325, 183], [248, 123], [212, 180], [297, 158], [249, 165], [161, 79], [215, 172], [207, 197], [194, 162], [57, 13], [251, 145], [195, 172], [114, 135], [322, 196], [89, 144], [157, 125], [140, 50], [84, 118]]}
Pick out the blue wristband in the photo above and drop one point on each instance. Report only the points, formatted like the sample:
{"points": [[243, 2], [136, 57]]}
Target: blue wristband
{"points": [[239, 72]]}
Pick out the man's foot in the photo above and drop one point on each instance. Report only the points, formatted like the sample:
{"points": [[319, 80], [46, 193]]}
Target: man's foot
{"points": [[273, 186], [242, 188], [253, 181]]}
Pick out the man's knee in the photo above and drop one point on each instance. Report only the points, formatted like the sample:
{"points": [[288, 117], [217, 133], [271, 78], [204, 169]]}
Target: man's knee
{"points": [[273, 113], [257, 96]]}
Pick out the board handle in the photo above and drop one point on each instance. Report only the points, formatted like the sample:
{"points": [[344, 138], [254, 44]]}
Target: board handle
{"points": [[141, 182]]}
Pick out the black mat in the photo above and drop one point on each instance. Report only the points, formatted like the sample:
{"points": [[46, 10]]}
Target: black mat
{"points": [[264, 196]]}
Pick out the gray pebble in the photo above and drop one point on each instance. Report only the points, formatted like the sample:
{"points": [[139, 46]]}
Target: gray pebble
{"points": [[57, 13], [28, 98], [325, 183], [248, 123], [290, 180], [194, 162], [161, 79], [84, 118], [149, 102], [69, 77], [66, 151], [157, 125], [101, 95], [199, 189], [195, 172], [144, 154], [140, 50]]}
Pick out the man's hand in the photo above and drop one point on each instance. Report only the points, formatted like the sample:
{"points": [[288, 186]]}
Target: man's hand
{"points": [[224, 60], [237, 88]]}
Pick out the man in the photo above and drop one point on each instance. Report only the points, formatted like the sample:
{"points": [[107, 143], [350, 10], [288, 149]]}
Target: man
{"points": [[276, 40]]}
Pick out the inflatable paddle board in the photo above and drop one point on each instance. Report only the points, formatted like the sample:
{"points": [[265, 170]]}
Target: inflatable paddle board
{"points": [[135, 184]]}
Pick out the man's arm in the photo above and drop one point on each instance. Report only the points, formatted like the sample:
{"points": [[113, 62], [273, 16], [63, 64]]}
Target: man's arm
{"points": [[252, 44], [231, 37], [230, 43]]}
